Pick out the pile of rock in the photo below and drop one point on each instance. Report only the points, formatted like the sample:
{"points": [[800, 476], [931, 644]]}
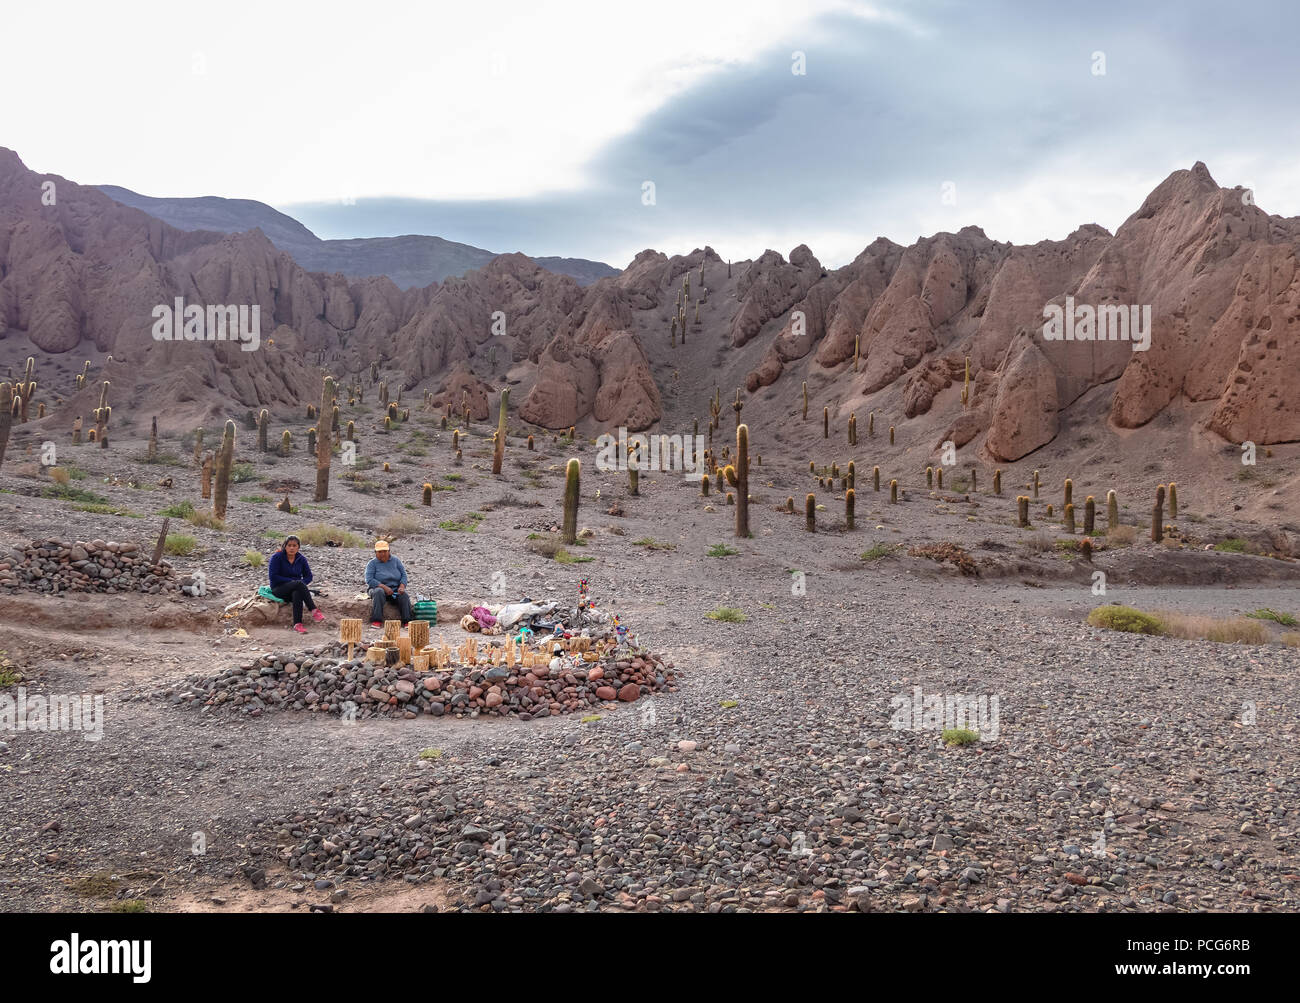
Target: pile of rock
{"points": [[325, 681], [98, 566]]}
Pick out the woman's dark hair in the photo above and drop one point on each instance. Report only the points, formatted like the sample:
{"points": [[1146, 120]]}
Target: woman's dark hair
{"points": [[294, 539]]}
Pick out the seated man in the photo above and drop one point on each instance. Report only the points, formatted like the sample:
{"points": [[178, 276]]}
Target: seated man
{"points": [[386, 582]]}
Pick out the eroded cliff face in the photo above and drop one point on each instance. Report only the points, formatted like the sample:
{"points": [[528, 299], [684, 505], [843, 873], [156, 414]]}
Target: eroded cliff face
{"points": [[1218, 274]]}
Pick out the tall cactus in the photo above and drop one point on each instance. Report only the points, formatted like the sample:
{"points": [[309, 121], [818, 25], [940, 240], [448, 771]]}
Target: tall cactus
{"points": [[826, 423], [805, 400], [1112, 510], [6, 417], [224, 460], [102, 415], [857, 345], [893, 492], [875, 478], [152, 453], [634, 469], [323, 445], [263, 427], [499, 452], [572, 479], [286, 442], [1069, 518], [1069, 492], [1089, 515], [1022, 506], [742, 480], [1173, 500], [1158, 516], [810, 513], [850, 499]]}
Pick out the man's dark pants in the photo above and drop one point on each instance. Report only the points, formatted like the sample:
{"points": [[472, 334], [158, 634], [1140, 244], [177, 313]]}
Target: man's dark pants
{"points": [[400, 599]]}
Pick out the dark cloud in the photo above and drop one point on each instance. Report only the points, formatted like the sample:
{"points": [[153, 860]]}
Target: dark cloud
{"points": [[993, 95]]}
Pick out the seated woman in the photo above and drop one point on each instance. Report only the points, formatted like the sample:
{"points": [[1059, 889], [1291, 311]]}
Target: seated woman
{"points": [[290, 575]]}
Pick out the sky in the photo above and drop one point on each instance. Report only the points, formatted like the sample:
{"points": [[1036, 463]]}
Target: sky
{"points": [[760, 124]]}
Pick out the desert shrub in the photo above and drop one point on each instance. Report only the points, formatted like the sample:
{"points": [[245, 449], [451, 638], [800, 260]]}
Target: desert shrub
{"points": [[1285, 619], [959, 736], [181, 510], [469, 525], [728, 614], [564, 557], [180, 545], [63, 492], [1233, 545], [241, 472], [205, 519], [547, 546], [1124, 618], [878, 550], [320, 534], [947, 552], [1122, 536], [399, 524], [254, 558], [96, 508], [1225, 630], [722, 550], [59, 476]]}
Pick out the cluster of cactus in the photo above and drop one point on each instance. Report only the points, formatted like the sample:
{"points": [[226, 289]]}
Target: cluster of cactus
{"points": [[24, 390], [83, 376], [323, 445]]}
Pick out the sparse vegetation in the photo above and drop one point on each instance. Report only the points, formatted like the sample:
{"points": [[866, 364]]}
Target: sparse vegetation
{"points": [[878, 550], [1285, 619], [469, 525], [959, 736], [180, 545], [722, 550], [564, 557], [1233, 545], [254, 558], [651, 544], [1192, 627], [320, 534], [1124, 618], [728, 614]]}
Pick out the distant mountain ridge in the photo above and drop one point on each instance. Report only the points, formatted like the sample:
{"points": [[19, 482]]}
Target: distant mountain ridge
{"points": [[412, 261]]}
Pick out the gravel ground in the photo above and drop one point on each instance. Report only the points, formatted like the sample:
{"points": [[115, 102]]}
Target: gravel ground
{"points": [[1127, 772]]}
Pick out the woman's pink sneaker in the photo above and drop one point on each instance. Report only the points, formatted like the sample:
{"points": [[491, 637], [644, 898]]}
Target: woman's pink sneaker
{"points": [[317, 615], [300, 628]]}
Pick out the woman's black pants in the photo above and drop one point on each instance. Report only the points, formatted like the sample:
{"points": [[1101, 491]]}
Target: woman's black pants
{"points": [[298, 594]]}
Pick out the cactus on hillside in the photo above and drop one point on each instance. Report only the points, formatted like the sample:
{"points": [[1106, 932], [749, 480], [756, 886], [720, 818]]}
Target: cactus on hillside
{"points": [[286, 442], [1173, 500], [742, 480], [826, 423], [1157, 516], [893, 492], [1069, 492], [6, 417], [875, 478], [426, 495], [572, 480], [1089, 515], [1069, 518], [311, 439], [850, 499], [805, 400], [499, 450], [810, 513], [1112, 510], [263, 426], [1022, 506], [323, 445], [997, 482], [224, 459]]}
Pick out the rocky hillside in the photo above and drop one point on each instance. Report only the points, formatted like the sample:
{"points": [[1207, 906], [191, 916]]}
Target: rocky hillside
{"points": [[410, 261], [1218, 274]]}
